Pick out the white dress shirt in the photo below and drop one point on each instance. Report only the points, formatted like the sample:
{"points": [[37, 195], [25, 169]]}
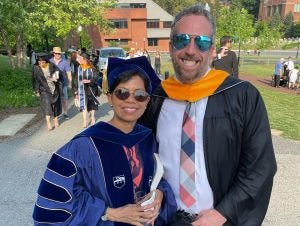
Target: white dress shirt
{"points": [[169, 127]]}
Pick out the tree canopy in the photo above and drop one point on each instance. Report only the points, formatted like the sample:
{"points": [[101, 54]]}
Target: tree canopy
{"points": [[25, 21]]}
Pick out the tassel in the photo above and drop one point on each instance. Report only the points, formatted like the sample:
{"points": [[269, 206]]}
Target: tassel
{"points": [[104, 82]]}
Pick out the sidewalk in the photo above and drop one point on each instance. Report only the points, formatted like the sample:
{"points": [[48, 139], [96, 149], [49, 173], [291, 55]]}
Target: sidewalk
{"points": [[25, 157]]}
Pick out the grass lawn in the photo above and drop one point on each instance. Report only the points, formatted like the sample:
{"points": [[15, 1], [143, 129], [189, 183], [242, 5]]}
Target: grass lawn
{"points": [[283, 111], [15, 87], [257, 70]]}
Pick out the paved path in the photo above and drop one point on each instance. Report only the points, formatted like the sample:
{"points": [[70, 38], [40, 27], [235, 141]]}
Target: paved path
{"points": [[23, 162]]}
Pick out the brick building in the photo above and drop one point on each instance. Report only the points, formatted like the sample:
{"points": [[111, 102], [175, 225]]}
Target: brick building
{"points": [[267, 8], [139, 24]]}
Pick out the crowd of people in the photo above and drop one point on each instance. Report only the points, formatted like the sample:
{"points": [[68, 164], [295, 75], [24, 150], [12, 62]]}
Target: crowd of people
{"points": [[286, 74], [53, 77], [209, 129]]}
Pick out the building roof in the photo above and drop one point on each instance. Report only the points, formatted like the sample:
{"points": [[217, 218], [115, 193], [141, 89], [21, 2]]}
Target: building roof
{"points": [[154, 11]]}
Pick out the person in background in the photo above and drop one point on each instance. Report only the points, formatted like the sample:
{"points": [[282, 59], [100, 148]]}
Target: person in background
{"points": [[157, 62], [87, 92], [47, 82], [228, 62], [130, 54], [64, 66], [213, 132], [278, 72], [289, 66], [293, 76], [94, 178], [29, 51], [74, 71], [146, 54]]}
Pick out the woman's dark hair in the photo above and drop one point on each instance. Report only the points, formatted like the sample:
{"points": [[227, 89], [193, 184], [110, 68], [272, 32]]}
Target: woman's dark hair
{"points": [[41, 57], [126, 76]]}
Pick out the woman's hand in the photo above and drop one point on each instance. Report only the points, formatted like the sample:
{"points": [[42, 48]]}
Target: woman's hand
{"points": [[155, 206], [132, 214]]}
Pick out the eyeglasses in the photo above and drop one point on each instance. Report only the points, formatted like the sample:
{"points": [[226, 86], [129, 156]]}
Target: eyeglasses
{"points": [[202, 42], [57, 53], [123, 94]]}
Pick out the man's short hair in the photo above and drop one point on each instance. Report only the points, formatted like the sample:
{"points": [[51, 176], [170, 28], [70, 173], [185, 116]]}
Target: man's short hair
{"points": [[225, 39], [198, 10]]}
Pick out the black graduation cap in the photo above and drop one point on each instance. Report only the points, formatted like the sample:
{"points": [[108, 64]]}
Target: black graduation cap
{"points": [[42, 56], [116, 66], [85, 55]]}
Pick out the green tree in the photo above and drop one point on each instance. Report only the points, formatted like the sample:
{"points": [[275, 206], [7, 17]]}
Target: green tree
{"points": [[297, 30], [236, 22], [276, 21], [288, 26], [267, 36], [24, 21], [252, 6]]}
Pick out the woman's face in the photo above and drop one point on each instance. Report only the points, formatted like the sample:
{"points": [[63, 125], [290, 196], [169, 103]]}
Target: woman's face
{"points": [[42, 63], [130, 109], [79, 59]]}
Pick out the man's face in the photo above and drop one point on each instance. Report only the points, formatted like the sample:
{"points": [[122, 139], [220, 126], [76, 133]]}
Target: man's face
{"points": [[229, 44], [57, 56], [189, 63]]}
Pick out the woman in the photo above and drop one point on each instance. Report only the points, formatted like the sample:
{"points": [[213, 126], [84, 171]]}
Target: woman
{"points": [[74, 70], [157, 62], [94, 179], [47, 84], [87, 88], [293, 77]]}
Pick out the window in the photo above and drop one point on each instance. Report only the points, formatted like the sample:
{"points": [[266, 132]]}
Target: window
{"points": [[167, 24], [123, 5], [273, 10], [152, 42], [297, 8], [120, 24], [153, 24], [279, 9], [131, 5], [269, 11], [138, 5], [121, 42]]}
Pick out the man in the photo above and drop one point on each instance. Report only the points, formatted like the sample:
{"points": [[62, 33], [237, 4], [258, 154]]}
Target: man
{"points": [[64, 66], [228, 62], [277, 72], [227, 161]]}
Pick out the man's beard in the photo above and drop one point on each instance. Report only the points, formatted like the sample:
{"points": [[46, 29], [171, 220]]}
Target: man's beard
{"points": [[185, 77]]}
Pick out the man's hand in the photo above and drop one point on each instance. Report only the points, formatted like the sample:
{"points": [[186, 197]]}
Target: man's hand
{"points": [[222, 53], [69, 75], [209, 218]]}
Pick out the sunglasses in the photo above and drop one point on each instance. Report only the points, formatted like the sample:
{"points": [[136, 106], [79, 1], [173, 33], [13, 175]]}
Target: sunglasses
{"points": [[123, 94], [202, 42]]}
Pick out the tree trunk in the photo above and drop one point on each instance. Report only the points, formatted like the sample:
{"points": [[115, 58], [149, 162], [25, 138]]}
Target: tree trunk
{"points": [[5, 40], [21, 50]]}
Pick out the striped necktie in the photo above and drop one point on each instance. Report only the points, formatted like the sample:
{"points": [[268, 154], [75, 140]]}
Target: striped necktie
{"points": [[187, 157]]}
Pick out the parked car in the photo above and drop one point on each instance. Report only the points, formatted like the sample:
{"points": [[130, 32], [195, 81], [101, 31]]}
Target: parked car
{"points": [[106, 52]]}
